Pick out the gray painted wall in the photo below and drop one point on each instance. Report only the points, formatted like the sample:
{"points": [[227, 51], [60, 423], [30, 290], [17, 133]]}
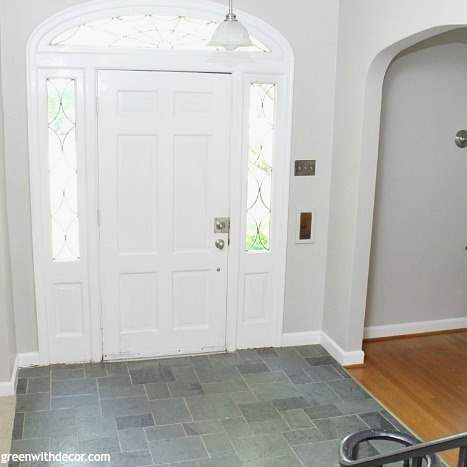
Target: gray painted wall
{"points": [[418, 266], [7, 323], [311, 28]]}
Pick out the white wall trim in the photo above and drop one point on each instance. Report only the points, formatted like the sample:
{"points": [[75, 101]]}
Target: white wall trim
{"points": [[291, 339], [8, 388], [25, 360], [344, 357], [402, 329]]}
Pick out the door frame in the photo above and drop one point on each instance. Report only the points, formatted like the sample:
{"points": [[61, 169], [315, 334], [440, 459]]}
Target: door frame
{"points": [[245, 68]]}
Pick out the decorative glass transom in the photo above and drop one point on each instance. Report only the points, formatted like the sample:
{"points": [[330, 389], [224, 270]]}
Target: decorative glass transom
{"points": [[260, 156], [63, 175], [145, 32]]}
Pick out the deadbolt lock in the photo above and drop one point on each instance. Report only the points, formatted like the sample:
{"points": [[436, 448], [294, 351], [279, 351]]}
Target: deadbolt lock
{"points": [[220, 244], [222, 225]]}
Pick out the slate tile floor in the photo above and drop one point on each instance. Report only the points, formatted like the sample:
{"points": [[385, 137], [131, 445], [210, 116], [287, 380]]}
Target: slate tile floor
{"points": [[253, 408]]}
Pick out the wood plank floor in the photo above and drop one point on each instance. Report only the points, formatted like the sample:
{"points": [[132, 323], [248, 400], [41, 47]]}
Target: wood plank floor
{"points": [[422, 380]]}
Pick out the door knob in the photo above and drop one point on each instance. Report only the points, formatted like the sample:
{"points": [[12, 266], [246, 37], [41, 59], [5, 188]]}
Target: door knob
{"points": [[220, 244]]}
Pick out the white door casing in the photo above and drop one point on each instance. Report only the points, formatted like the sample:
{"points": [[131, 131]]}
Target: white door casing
{"points": [[164, 150], [255, 281]]}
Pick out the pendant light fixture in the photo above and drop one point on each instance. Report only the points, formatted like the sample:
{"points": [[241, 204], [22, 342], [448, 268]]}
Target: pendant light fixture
{"points": [[230, 34]]}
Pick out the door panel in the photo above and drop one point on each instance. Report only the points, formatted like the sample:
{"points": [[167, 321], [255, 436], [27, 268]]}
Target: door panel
{"points": [[164, 143]]}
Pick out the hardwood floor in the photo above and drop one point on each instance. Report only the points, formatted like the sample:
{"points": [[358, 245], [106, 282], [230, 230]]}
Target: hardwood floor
{"points": [[422, 380]]}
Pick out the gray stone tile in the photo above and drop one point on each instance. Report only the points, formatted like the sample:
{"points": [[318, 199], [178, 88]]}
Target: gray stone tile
{"points": [[74, 387], [100, 445], [266, 377], [261, 447], [224, 461], [68, 444], [204, 428], [170, 411], [283, 461], [212, 406], [185, 374], [311, 350], [34, 372], [131, 459], [377, 421], [157, 391], [297, 419], [276, 390], [151, 374], [36, 385], [119, 386], [259, 411], [182, 389], [54, 423], [318, 361], [218, 445], [165, 432], [178, 450], [18, 426], [32, 402], [323, 373], [135, 421], [303, 436], [242, 397], [349, 390], [60, 374], [30, 446], [237, 427], [290, 403], [285, 359], [318, 394], [116, 368], [248, 368], [324, 454], [323, 411], [21, 386], [95, 370], [224, 386], [96, 427], [87, 405], [299, 376], [132, 439], [339, 427], [273, 425], [222, 374], [358, 406], [125, 406]]}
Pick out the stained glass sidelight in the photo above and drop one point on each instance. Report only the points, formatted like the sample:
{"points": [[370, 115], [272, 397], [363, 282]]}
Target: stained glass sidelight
{"points": [[260, 156], [63, 174], [145, 32]]}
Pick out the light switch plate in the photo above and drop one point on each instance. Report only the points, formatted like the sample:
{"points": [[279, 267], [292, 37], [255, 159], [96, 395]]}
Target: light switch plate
{"points": [[305, 168]]}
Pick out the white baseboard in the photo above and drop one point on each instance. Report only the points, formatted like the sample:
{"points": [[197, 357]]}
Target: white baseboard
{"points": [[22, 360], [344, 357], [8, 388], [28, 359], [291, 339], [402, 329]]}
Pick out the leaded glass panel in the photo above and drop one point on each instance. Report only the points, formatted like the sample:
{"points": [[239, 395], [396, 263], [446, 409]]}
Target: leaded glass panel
{"points": [[260, 157], [145, 32], [63, 174]]}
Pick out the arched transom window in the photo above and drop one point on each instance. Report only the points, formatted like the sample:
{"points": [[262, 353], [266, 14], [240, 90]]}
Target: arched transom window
{"points": [[145, 32]]}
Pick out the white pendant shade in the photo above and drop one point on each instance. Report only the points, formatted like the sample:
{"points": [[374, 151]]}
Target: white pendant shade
{"points": [[231, 34]]}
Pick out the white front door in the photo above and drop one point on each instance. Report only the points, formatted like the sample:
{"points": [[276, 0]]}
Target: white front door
{"points": [[164, 140]]}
